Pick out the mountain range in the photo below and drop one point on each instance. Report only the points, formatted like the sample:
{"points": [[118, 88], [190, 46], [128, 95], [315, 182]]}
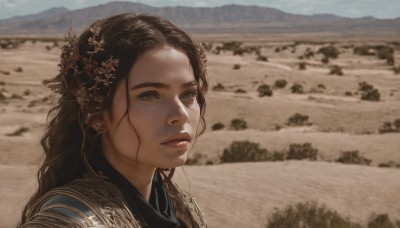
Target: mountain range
{"points": [[223, 19]]}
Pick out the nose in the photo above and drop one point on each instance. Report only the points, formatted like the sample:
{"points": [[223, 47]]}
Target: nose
{"points": [[178, 114]]}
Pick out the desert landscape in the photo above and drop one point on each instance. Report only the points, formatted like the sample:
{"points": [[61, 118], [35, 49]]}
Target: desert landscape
{"points": [[290, 119]]}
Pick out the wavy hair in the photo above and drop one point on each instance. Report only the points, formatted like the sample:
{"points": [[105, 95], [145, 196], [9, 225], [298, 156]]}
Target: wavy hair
{"points": [[69, 141]]}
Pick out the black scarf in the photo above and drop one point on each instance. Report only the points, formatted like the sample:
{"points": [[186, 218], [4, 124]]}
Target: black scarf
{"points": [[159, 212]]}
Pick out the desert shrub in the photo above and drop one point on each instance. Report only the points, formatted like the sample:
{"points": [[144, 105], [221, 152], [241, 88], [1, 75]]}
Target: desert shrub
{"points": [[396, 124], [389, 164], [298, 120], [240, 91], [380, 221], [239, 51], [217, 126], [302, 151], [18, 69], [2, 83], [321, 86], [46, 81], [383, 52], [353, 157], [388, 127], [297, 88], [368, 92], [231, 45], [264, 90], [371, 95], [277, 49], [207, 46], [302, 66], [363, 50], [308, 53], [236, 66], [238, 124], [396, 70], [329, 51], [16, 96], [364, 86], [195, 159], [5, 72], [325, 60], [244, 151], [348, 93], [218, 87], [262, 58], [19, 131], [2, 96], [281, 83], [308, 215], [27, 92], [277, 156], [335, 69]]}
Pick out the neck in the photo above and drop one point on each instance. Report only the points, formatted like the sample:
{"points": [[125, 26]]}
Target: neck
{"points": [[139, 175]]}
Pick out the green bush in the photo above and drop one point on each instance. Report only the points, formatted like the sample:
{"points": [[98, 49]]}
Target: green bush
{"points": [[353, 157], [264, 90], [298, 120], [297, 88], [238, 124], [281, 83], [217, 126], [308, 215], [329, 51], [302, 151], [244, 151]]}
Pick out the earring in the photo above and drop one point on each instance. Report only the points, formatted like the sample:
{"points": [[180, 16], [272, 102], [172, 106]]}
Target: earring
{"points": [[100, 127]]}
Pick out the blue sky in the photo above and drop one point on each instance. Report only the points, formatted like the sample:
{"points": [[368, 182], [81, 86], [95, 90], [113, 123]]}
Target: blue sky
{"points": [[347, 8]]}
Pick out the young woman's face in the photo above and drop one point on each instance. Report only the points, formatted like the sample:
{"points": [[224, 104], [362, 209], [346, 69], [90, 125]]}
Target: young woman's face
{"points": [[163, 112]]}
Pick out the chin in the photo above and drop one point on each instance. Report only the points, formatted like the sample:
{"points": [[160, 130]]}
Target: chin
{"points": [[176, 162]]}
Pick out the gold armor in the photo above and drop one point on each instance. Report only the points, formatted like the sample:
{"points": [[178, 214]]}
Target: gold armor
{"points": [[92, 202]]}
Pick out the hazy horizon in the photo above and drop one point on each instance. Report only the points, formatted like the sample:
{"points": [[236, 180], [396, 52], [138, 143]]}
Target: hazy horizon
{"points": [[382, 9]]}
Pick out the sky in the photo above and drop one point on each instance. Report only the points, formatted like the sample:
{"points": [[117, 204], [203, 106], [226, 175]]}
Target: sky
{"points": [[348, 8]]}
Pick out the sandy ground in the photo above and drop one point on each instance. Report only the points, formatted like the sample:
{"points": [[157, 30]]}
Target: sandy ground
{"points": [[245, 194]]}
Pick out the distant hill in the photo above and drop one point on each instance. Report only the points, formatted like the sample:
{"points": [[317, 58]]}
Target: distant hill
{"points": [[227, 18]]}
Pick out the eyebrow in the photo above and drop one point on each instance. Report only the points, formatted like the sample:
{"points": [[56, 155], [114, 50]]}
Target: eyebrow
{"points": [[163, 85]]}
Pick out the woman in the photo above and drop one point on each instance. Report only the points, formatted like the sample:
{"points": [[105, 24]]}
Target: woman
{"points": [[132, 103]]}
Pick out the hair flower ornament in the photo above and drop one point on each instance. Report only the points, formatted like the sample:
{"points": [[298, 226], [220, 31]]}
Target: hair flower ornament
{"points": [[83, 77]]}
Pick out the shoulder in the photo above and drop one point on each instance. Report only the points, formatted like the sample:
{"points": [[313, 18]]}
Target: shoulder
{"points": [[191, 203], [85, 202]]}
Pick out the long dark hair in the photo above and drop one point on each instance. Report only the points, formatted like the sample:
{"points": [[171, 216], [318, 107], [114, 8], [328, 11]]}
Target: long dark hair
{"points": [[69, 141]]}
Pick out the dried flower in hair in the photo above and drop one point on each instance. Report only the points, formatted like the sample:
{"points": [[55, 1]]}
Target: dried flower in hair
{"points": [[82, 75]]}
